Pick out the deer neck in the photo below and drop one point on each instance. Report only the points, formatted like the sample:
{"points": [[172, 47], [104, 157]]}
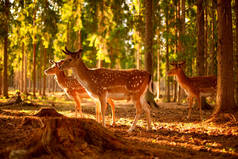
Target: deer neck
{"points": [[182, 78], [61, 78], [82, 74]]}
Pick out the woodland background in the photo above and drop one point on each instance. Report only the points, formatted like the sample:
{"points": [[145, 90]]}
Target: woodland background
{"points": [[117, 34], [113, 34]]}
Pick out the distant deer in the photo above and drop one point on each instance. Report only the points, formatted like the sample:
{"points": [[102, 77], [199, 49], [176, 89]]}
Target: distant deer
{"points": [[74, 90], [195, 87], [105, 83]]}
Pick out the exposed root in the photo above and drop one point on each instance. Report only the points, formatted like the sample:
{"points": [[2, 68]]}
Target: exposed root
{"points": [[222, 117]]}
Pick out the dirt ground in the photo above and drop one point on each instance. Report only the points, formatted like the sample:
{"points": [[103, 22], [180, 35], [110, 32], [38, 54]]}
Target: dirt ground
{"points": [[172, 136]]}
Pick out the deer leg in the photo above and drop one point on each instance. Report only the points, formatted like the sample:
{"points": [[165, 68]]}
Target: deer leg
{"points": [[200, 106], [146, 108], [190, 102], [138, 113], [113, 123], [98, 112], [78, 106], [103, 102]]}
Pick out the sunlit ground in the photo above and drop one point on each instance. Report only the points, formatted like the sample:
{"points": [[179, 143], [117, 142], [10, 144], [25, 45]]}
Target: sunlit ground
{"points": [[169, 126]]}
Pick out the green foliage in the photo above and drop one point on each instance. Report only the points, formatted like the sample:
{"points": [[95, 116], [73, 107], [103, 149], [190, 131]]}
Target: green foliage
{"points": [[110, 31]]}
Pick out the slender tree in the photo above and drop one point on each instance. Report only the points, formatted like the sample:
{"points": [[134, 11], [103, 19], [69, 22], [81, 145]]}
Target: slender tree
{"points": [[34, 51], [200, 41], [201, 46], [236, 55], [181, 30], [5, 56], [0, 80], [25, 74], [44, 76], [211, 68], [22, 67], [167, 53]]}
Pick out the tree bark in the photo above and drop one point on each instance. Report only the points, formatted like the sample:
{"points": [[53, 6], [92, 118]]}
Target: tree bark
{"points": [[22, 68], [212, 53], [200, 40], [158, 66], [39, 80], [25, 74], [5, 56], [148, 37], [34, 54], [236, 55], [205, 39], [201, 46], [183, 26], [225, 86], [148, 47], [44, 76], [167, 56], [0, 81], [5, 76]]}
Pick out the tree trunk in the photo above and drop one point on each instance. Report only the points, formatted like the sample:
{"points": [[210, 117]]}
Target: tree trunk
{"points": [[200, 44], [5, 56], [181, 31], [148, 47], [167, 56], [0, 81], [212, 53], [158, 53], [39, 80], [200, 40], [34, 69], [34, 53], [205, 39], [25, 74], [138, 56], [148, 37], [183, 26], [158, 66], [44, 76], [225, 86], [5, 76], [236, 55], [22, 68]]}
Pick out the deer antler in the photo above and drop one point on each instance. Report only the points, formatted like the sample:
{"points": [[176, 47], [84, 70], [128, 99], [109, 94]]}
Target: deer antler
{"points": [[67, 52], [51, 61], [177, 64]]}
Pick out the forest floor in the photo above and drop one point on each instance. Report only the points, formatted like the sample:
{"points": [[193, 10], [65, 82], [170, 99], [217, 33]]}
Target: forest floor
{"points": [[172, 136]]}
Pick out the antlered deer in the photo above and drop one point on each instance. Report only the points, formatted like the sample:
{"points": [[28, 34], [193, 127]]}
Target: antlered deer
{"points": [[74, 90], [195, 87], [104, 83]]}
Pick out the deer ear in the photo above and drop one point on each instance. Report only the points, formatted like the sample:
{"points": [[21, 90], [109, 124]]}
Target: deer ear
{"points": [[173, 64]]}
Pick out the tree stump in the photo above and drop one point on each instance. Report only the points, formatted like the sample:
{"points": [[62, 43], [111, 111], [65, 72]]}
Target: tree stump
{"points": [[48, 112], [63, 137]]}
